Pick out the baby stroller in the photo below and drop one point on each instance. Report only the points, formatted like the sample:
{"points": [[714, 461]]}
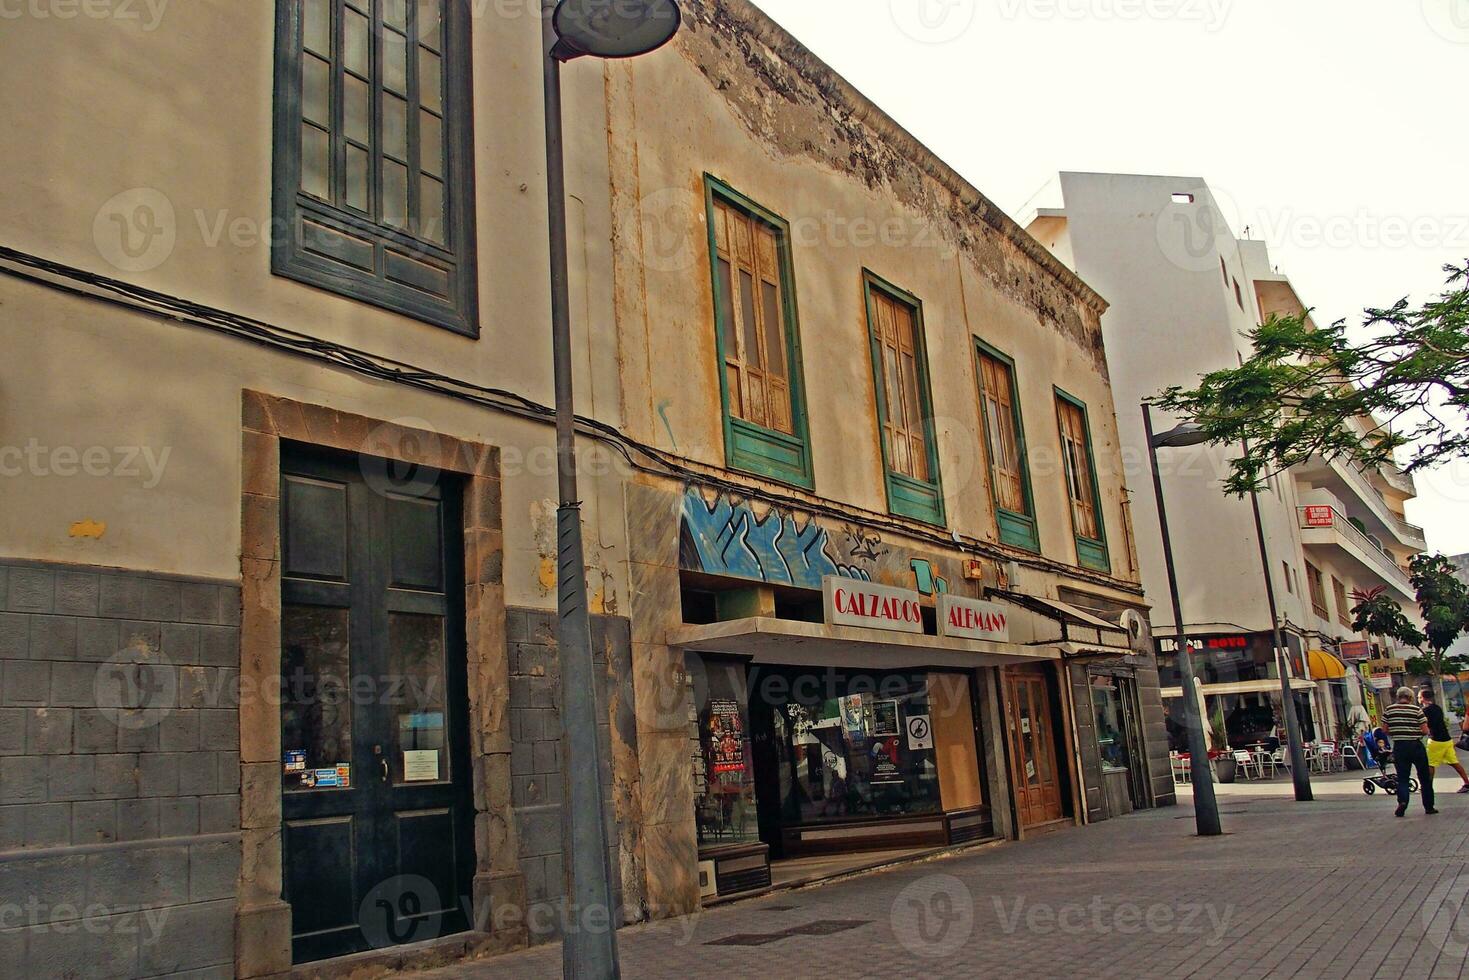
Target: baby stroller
{"points": [[1386, 779]]}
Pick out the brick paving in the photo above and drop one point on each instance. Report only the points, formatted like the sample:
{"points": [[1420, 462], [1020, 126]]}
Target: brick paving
{"points": [[1335, 888]]}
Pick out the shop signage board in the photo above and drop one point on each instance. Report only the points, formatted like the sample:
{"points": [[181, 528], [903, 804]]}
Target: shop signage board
{"points": [[850, 602], [1355, 649], [973, 619]]}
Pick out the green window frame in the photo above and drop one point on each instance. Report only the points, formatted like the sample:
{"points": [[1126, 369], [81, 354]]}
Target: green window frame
{"points": [[1091, 552], [1017, 527], [750, 445], [918, 496], [373, 194]]}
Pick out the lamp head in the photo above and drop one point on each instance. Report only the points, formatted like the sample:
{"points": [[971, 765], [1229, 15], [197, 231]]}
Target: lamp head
{"points": [[613, 28], [1186, 434]]}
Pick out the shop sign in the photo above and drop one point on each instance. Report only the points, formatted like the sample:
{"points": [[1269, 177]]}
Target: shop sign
{"points": [[973, 619], [850, 602], [1380, 681], [1318, 515], [1355, 649], [1386, 665]]}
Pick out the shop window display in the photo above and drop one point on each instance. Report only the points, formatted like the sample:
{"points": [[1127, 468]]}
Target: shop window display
{"points": [[850, 757], [724, 782], [1111, 724]]}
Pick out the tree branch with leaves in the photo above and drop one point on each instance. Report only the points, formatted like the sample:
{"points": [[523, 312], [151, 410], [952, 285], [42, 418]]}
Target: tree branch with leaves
{"points": [[1309, 391]]}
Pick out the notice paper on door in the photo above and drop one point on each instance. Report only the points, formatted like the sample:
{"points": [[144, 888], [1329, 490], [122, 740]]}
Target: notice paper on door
{"points": [[420, 765]]}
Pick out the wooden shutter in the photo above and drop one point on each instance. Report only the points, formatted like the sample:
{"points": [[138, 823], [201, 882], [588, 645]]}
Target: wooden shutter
{"points": [[999, 415], [1078, 469], [751, 300], [904, 428]]}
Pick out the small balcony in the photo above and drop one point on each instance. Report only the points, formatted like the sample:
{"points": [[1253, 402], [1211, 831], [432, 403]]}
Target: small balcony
{"points": [[1323, 525]]}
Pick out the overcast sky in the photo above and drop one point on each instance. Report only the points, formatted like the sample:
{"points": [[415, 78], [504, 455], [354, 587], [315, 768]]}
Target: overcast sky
{"points": [[1333, 130]]}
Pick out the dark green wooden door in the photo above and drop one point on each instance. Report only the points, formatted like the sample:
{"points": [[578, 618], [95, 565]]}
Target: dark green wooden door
{"points": [[377, 835]]}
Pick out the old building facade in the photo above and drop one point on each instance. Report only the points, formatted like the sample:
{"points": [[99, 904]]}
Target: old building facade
{"points": [[277, 550]]}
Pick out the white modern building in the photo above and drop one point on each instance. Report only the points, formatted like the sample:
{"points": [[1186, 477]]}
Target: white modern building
{"points": [[1184, 291]]}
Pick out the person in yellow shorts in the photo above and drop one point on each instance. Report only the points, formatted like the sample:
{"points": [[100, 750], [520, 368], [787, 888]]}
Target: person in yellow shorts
{"points": [[1440, 742]]}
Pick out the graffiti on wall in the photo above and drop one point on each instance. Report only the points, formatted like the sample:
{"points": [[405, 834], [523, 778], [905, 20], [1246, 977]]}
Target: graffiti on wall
{"points": [[726, 536]]}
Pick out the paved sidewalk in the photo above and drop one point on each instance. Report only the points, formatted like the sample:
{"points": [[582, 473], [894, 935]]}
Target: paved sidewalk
{"points": [[1335, 888]]}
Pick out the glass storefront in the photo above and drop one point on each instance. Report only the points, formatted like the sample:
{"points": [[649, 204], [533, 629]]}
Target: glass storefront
{"points": [[849, 756], [782, 755]]}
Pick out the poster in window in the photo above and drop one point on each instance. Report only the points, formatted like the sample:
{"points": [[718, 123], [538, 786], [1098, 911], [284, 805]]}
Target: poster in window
{"points": [[885, 760], [884, 718], [726, 737]]}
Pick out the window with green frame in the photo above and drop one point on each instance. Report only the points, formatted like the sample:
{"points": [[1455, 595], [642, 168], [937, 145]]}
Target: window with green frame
{"points": [[904, 401], [1004, 439], [1079, 468], [765, 430], [373, 190]]}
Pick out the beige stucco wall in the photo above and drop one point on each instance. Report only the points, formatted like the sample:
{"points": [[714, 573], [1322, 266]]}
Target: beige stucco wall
{"points": [[855, 201], [175, 114]]}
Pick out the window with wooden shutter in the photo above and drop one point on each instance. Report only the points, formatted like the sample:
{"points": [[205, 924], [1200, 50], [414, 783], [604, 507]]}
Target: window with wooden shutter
{"points": [[751, 309], [373, 185], [1317, 585], [999, 416], [903, 425], [900, 372], [756, 337], [1081, 483], [1005, 448], [1343, 608]]}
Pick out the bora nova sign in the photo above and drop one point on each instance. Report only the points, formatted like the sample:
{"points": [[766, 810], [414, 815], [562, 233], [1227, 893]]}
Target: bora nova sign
{"points": [[973, 619], [850, 602]]}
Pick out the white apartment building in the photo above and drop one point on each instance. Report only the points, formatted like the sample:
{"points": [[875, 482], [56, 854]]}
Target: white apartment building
{"points": [[1184, 290]]}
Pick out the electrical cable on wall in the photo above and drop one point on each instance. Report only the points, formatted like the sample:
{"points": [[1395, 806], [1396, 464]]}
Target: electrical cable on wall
{"points": [[639, 455]]}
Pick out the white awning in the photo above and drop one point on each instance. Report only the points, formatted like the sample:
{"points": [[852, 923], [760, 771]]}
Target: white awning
{"points": [[784, 641], [1243, 687]]}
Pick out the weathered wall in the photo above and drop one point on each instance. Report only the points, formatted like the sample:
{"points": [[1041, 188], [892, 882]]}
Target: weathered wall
{"points": [[762, 114], [119, 771], [537, 768], [185, 128]]}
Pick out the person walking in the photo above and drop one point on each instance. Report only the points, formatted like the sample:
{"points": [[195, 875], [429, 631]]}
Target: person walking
{"points": [[1406, 724], [1440, 742]]}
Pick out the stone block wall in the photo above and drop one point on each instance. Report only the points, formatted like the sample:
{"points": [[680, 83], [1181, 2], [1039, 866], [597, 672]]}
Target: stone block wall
{"points": [[119, 772], [537, 767]]}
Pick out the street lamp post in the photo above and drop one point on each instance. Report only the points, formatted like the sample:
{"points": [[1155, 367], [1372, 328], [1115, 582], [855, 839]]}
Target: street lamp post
{"points": [[571, 29], [1206, 806], [1299, 774]]}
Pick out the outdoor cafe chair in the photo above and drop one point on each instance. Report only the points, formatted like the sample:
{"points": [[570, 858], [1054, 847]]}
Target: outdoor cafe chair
{"points": [[1247, 763]]}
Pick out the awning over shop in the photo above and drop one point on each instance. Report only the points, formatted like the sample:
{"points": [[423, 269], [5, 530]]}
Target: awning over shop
{"points": [[1324, 666], [1081, 634], [1243, 687], [795, 641]]}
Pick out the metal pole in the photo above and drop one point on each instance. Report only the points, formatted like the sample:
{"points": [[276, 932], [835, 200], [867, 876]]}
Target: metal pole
{"points": [[589, 949], [1299, 774], [1206, 807]]}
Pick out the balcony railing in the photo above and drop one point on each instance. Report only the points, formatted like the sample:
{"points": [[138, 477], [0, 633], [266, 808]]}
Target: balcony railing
{"points": [[1409, 534], [1315, 517]]}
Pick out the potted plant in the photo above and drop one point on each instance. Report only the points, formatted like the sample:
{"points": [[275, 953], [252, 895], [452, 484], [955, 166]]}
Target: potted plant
{"points": [[1219, 752]]}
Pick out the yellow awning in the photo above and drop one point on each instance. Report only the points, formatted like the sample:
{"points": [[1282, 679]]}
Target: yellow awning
{"points": [[1324, 666]]}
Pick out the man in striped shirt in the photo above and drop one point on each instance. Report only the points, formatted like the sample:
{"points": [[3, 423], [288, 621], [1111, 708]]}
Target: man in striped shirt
{"points": [[1406, 725]]}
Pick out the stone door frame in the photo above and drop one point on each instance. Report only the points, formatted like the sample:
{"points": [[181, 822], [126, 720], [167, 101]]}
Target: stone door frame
{"points": [[262, 918]]}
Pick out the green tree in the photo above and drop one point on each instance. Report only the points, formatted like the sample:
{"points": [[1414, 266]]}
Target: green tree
{"points": [[1443, 601], [1308, 391]]}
